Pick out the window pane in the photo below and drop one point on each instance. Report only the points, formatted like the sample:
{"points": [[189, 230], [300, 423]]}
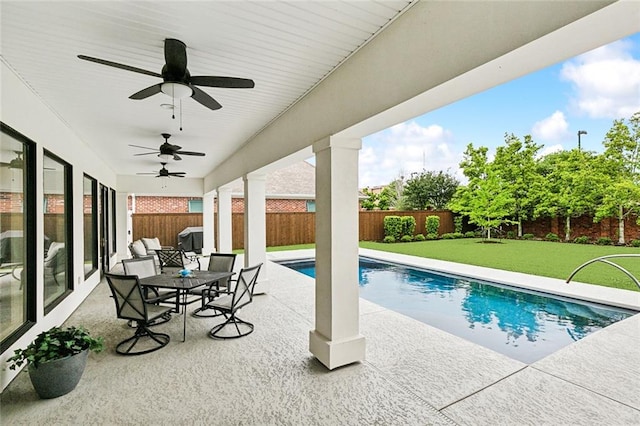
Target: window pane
{"points": [[13, 190], [57, 175], [195, 206], [90, 225]]}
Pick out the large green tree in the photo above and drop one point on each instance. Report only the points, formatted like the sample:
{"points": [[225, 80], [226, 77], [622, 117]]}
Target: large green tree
{"points": [[429, 189], [486, 200], [620, 163], [516, 164], [572, 185]]}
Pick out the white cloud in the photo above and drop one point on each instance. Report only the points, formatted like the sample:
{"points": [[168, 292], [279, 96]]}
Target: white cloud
{"points": [[606, 81], [552, 128], [549, 150], [405, 148]]}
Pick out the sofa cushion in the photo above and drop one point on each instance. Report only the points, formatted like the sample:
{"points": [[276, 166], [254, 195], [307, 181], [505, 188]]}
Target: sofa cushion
{"points": [[151, 244], [54, 248], [138, 249]]}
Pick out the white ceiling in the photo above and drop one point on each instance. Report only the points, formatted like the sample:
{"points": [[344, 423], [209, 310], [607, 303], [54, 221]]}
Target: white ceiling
{"points": [[285, 47]]}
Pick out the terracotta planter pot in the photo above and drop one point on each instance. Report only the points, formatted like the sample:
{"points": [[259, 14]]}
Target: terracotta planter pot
{"points": [[58, 377]]}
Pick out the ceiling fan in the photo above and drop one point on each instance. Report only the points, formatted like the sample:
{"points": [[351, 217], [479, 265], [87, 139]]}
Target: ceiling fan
{"points": [[163, 172], [16, 163], [177, 81], [167, 150]]}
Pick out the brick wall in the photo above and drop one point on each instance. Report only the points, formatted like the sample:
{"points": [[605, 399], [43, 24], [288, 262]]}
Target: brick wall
{"points": [[582, 225], [11, 202], [154, 204]]}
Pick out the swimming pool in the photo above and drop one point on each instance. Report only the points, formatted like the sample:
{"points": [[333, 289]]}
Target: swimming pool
{"points": [[522, 324]]}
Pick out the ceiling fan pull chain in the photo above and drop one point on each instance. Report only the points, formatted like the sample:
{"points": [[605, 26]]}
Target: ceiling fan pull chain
{"points": [[173, 103], [180, 114]]}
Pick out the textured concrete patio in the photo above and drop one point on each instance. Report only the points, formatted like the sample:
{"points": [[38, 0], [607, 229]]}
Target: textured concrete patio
{"points": [[414, 374]]}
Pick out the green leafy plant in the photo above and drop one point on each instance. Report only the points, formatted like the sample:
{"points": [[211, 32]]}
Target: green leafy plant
{"points": [[511, 235], [389, 239], [392, 227], [408, 226], [431, 236], [527, 237], [582, 239], [55, 343], [457, 224], [432, 224], [458, 235], [469, 234], [448, 236], [552, 237], [604, 241], [635, 243], [406, 238], [420, 237]]}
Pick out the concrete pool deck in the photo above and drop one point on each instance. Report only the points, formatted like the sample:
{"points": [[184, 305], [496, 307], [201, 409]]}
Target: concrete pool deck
{"points": [[413, 374]]}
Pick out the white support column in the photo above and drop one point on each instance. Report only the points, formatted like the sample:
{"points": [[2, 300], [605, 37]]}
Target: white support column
{"points": [[123, 228], [208, 227], [336, 340], [255, 227], [225, 240]]}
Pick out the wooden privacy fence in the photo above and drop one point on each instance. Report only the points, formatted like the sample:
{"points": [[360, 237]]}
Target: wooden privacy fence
{"points": [[282, 228]]}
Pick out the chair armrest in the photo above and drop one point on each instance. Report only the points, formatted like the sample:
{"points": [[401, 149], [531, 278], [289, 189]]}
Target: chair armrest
{"points": [[160, 298]]}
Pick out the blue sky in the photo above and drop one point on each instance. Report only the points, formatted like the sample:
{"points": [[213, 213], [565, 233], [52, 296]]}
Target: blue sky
{"points": [[584, 93]]}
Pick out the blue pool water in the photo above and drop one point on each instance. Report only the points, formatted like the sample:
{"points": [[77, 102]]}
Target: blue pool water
{"points": [[521, 324]]}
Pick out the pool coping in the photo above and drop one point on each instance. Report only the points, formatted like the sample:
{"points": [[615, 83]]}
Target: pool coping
{"points": [[576, 290]]}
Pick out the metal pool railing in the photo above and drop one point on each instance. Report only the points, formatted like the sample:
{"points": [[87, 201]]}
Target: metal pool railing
{"points": [[604, 259]]}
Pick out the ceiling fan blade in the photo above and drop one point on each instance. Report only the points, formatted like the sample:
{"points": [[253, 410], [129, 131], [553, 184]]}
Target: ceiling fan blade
{"points": [[226, 82], [5, 164], [145, 147], [175, 57], [145, 153], [145, 93], [176, 157], [204, 99], [150, 173], [199, 154], [177, 174], [117, 65]]}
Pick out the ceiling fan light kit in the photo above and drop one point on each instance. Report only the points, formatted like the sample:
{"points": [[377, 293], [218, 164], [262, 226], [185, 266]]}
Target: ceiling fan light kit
{"points": [[177, 82], [176, 90]]}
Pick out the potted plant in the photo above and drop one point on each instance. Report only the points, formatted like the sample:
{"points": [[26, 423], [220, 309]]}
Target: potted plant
{"points": [[56, 359]]}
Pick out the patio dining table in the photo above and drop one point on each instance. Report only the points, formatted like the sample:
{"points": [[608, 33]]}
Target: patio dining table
{"points": [[172, 280]]}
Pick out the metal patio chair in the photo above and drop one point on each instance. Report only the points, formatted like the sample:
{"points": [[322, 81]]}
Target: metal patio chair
{"points": [[218, 262], [132, 305], [238, 295]]}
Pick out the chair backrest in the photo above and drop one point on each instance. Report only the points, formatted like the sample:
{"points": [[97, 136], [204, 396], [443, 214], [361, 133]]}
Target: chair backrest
{"points": [[127, 293], [244, 285], [143, 267], [170, 258], [222, 262]]}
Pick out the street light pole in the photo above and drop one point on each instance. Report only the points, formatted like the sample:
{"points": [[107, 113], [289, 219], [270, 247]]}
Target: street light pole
{"points": [[580, 132]]}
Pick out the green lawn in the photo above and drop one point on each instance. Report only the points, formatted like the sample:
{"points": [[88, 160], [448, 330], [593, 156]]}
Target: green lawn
{"points": [[556, 260]]}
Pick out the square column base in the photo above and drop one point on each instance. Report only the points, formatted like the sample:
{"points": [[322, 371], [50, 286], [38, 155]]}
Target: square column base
{"points": [[334, 354]]}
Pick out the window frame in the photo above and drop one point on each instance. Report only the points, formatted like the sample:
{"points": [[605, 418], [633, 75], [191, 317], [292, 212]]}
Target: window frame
{"points": [[29, 235]]}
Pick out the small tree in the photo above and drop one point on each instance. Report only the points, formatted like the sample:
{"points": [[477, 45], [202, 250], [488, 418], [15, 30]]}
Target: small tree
{"points": [[429, 189], [393, 227], [432, 224], [408, 225], [370, 202], [621, 166], [485, 200]]}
